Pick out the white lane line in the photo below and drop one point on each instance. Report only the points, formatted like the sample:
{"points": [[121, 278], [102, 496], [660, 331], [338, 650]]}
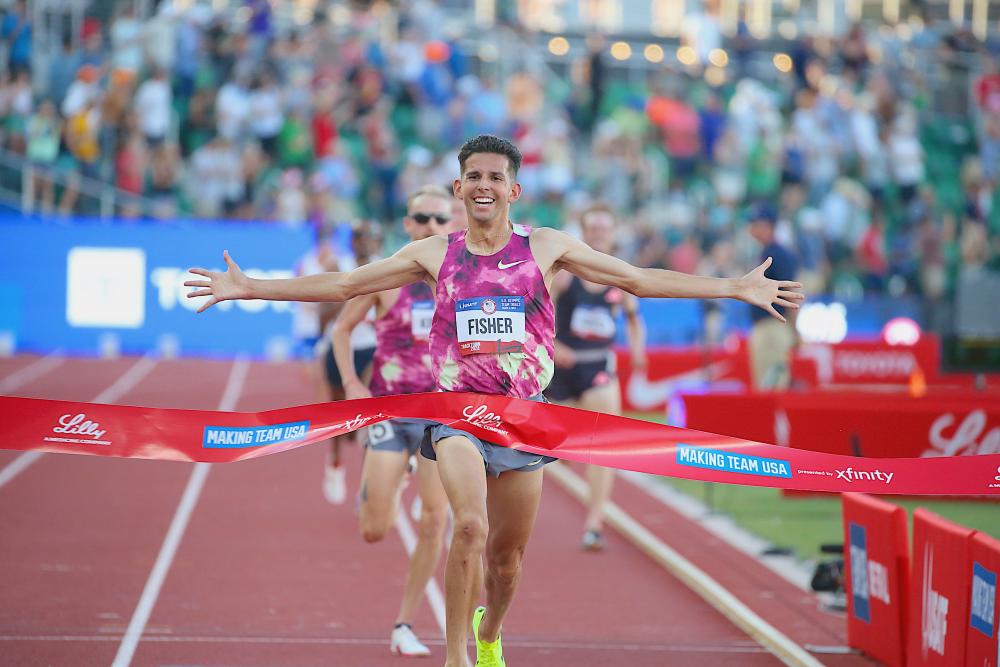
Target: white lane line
{"points": [[32, 371], [17, 466], [125, 382], [432, 590], [707, 588], [143, 610]]}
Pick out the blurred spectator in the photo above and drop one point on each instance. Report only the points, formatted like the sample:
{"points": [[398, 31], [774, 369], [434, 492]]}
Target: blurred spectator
{"points": [[43, 135], [153, 102], [15, 29], [265, 113], [771, 341], [126, 40]]}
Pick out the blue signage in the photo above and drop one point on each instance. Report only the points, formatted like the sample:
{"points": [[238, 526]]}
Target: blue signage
{"points": [[860, 599], [68, 285]]}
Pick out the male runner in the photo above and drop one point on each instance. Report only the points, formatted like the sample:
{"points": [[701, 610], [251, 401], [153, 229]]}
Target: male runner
{"points": [[506, 269], [402, 365], [585, 361]]}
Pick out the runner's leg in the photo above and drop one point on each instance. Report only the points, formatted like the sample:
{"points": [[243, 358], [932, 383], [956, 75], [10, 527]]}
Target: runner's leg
{"points": [[512, 504], [463, 476], [381, 474], [430, 535], [607, 399]]}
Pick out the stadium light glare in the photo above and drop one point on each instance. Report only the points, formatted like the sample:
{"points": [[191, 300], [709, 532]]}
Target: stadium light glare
{"points": [[782, 62], [558, 46], [715, 76], [653, 53], [687, 55], [718, 57], [621, 51]]}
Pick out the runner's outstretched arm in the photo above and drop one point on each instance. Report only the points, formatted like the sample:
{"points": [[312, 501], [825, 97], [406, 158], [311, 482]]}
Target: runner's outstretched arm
{"points": [[580, 259], [400, 269]]}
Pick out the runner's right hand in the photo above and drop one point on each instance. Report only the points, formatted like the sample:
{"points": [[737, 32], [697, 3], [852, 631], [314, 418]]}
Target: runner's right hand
{"points": [[233, 284]]}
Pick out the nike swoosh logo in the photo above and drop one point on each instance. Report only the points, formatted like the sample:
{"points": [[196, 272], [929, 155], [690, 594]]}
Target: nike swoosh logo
{"points": [[501, 265], [534, 462], [645, 394]]}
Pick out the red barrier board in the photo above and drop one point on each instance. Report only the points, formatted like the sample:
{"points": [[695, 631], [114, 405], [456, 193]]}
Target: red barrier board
{"points": [[981, 646], [877, 568], [669, 371], [939, 592], [877, 425], [873, 361]]}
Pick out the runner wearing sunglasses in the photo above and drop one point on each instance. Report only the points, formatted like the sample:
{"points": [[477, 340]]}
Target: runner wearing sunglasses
{"points": [[401, 365]]}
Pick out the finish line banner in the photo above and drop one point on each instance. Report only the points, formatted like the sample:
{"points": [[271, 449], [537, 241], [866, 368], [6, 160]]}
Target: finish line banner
{"points": [[562, 432]]}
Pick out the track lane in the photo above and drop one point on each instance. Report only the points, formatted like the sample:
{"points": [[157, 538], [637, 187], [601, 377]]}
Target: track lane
{"points": [[289, 573], [88, 529]]}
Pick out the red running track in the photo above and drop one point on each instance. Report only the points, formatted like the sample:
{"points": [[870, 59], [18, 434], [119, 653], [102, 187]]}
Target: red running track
{"points": [[262, 571]]}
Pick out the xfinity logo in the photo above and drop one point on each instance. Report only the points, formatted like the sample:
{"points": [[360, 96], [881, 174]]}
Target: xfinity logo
{"points": [[850, 475]]}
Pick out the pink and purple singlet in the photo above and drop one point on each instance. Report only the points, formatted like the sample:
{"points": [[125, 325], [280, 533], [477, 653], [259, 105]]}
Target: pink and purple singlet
{"points": [[494, 323], [402, 363]]}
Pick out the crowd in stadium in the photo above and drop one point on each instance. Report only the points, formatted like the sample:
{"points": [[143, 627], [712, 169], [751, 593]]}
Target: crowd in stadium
{"points": [[879, 174]]}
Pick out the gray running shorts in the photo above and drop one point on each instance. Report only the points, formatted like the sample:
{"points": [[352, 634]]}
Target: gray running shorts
{"points": [[397, 435], [497, 458]]}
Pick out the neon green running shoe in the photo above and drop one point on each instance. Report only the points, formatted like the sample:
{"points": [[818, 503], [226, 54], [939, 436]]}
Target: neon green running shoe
{"points": [[488, 654]]}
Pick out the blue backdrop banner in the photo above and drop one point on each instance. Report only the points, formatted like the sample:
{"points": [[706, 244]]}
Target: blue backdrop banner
{"points": [[78, 285]]}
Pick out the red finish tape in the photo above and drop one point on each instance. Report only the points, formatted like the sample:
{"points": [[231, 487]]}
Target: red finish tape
{"points": [[543, 429]]}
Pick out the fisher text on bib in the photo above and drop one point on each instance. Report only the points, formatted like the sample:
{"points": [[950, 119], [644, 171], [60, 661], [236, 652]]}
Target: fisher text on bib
{"points": [[490, 324]]}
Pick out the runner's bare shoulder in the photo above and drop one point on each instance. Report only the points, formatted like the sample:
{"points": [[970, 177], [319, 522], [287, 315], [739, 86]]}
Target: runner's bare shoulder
{"points": [[428, 252]]}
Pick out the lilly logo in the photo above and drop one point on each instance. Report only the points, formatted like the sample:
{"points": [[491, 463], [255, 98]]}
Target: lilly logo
{"points": [[79, 425], [88, 432], [965, 438], [479, 416], [933, 611]]}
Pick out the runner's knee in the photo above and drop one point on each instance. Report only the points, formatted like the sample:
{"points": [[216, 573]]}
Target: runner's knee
{"points": [[471, 530], [432, 521], [505, 566]]}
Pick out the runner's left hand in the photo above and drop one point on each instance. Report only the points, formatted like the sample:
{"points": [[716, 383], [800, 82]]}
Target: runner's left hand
{"points": [[758, 290]]}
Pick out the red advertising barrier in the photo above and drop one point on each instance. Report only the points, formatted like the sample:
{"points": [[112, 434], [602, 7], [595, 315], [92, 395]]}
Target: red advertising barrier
{"points": [[873, 361], [876, 425], [939, 592], [981, 646], [669, 371], [877, 566]]}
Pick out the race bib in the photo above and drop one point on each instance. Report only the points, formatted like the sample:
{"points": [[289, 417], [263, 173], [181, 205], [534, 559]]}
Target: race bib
{"points": [[592, 323], [490, 324], [421, 316], [380, 432]]}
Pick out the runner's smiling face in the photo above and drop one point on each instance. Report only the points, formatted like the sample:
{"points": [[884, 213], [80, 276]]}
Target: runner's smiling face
{"points": [[487, 187]]}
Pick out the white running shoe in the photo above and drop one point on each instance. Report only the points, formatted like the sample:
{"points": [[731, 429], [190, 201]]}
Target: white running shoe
{"points": [[335, 485], [404, 642]]}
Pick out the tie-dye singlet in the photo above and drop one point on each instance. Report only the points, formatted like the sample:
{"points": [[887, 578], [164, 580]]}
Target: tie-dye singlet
{"points": [[402, 363], [500, 301]]}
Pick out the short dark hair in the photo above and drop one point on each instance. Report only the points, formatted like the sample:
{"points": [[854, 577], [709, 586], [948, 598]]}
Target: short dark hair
{"points": [[487, 143]]}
